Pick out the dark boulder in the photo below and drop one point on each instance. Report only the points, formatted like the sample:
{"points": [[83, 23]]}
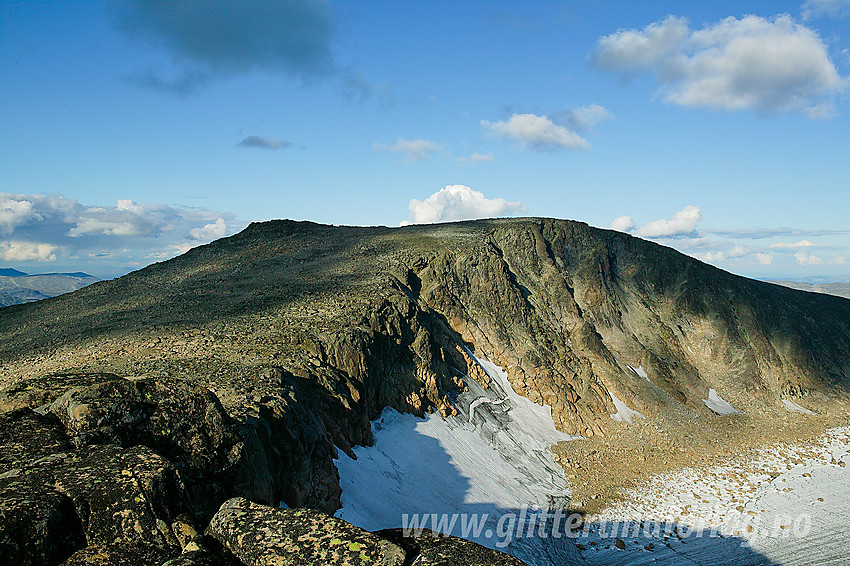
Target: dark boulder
{"points": [[129, 495], [101, 504], [38, 524], [185, 424]]}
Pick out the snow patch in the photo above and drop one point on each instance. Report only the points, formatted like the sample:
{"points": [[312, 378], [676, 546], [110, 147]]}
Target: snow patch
{"points": [[717, 404], [795, 408], [624, 413], [640, 372], [492, 459]]}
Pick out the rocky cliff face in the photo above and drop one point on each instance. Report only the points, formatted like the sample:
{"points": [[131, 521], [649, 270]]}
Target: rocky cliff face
{"points": [[570, 311], [282, 342]]}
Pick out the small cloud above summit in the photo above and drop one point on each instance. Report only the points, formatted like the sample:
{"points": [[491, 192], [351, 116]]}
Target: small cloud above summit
{"points": [[623, 224], [210, 231], [459, 202], [262, 142], [225, 38], [769, 65], [683, 223]]}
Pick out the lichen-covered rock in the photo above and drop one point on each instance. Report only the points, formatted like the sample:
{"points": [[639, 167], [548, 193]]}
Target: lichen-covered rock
{"points": [[120, 554], [124, 494], [263, 536], [38, 525], [42, 390], [429, 548], [96, 504], [184, 424]]}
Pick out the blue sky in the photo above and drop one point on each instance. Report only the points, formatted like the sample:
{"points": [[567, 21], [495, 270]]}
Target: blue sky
{"points": [[131, 131]]}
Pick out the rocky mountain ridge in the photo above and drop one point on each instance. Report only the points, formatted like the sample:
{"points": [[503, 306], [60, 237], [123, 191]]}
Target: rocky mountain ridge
{"points": [[301, 334]]}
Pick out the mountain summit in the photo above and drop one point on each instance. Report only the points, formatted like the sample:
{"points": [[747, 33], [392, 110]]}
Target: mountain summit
{"points": [[297, 335]]}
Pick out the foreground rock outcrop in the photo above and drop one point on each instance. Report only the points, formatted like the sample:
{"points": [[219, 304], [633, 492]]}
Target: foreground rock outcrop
{"points": [[57, 500], [126, 472]]}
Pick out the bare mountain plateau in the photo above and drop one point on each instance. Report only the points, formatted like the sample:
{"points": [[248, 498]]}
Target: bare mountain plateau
{"points": [[200, 411]]}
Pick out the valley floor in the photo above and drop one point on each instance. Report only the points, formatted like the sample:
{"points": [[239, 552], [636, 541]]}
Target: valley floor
{"points": [[784, 505]]}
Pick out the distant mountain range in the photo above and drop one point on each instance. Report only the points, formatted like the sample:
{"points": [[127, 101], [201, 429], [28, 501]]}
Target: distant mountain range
{"points": [[837, 289], [19, 287]]}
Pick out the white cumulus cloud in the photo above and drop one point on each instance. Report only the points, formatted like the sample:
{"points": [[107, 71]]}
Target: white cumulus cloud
{"points": [[807, 259], [769, 65], [764, 259], [682, 223], [27, 251], [623, 224], [537, 132], [53, 228], [211, 231], [631, 50], [459, 202], [14, 212]]}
